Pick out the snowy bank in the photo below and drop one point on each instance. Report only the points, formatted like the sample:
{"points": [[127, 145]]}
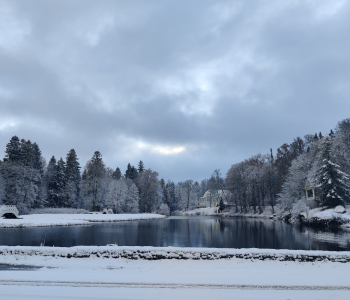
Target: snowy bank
{"points": [[321, 215], [207, 211], [45, 220], [157, 253]]}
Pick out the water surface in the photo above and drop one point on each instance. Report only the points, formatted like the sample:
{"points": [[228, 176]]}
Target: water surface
{"points": [[184, 232]]}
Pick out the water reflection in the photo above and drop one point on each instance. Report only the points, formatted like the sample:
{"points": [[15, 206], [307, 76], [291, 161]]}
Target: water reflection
{"points": [[184, 232]]}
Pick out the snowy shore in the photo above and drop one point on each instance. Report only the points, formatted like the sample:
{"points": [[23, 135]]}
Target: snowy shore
{"points": [[45, 220], [177, 253], [105, 277]]}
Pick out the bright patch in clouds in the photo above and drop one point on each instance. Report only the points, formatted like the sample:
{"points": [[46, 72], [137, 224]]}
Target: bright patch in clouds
{"points": [[168, 150], [165, 150]]}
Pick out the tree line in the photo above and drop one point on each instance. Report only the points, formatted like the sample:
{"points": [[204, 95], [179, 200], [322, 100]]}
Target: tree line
{"points": [[27, 181], [264, 181]]}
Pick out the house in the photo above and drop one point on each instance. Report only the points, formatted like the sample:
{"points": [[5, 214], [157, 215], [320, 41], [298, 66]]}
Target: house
{"points": [[212, 198]]}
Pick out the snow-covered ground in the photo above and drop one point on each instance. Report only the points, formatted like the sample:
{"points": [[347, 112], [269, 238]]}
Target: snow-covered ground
{"points": [[328, 215], [121, 278], [43, 220], [207, 211]]}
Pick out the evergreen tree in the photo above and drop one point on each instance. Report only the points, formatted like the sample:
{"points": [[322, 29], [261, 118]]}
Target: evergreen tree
{"points": [[332, 183], [20, 179], [128, 171], [60, 178], [141, 167], [50, 178], [94, 189], [133, 174], [72, 175], [13, 151], [117, 174]]}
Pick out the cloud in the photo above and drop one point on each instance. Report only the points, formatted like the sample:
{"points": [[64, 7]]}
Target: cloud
{"points": [[186, 87]]}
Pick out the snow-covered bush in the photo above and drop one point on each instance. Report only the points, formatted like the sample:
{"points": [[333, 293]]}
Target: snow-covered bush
{"points": [[164, 209], [299, 208]]}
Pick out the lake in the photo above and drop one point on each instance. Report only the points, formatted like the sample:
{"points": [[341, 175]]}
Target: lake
{"points": [[217, 232]]}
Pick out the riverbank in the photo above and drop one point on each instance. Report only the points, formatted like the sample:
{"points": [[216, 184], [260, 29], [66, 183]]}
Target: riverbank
{"points": [[46, 220], [104, 277], [338, 216]]}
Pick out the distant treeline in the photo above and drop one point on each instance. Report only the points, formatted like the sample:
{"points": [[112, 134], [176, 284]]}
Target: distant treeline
{"points": [[266, 180], [28, 182], [256, 184]]}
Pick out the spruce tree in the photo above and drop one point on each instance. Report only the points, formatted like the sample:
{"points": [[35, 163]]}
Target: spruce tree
{"points": [[117, 174], [72, 174], [60, 178], [13, 150], [141, 167], [332, 183], [128, 171], [133, 173], [93, 185], [50, 178]]}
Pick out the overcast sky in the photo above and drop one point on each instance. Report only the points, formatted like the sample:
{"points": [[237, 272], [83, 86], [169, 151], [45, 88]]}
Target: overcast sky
{"points": [[185, 86]]}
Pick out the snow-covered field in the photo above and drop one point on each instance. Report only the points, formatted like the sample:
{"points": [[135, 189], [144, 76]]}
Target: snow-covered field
{"points": [[43, 220], [120, 278]]}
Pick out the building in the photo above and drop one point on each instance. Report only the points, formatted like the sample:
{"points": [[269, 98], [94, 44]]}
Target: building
{"points": [[212, 198], [312, 199]]}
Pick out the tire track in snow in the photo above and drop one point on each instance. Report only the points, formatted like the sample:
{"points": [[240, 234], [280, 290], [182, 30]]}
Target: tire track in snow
{"points": [[173, 285]]}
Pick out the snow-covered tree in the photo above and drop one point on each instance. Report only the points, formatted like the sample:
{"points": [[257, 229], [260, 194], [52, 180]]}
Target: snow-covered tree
{"points": [[150, 191], [93, 184], [332, 183], [72, 175]]}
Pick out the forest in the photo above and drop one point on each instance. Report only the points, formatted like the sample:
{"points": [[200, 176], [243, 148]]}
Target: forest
{"points": [[263, 182]]}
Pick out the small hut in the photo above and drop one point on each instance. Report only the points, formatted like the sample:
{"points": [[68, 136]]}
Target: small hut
{"points": [[312, 199]]}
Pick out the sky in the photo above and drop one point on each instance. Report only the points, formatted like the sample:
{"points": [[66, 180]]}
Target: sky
{"points": [[185, 86]]}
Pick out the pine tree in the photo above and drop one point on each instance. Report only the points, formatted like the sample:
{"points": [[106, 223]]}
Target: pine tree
{"points": [[117, 174], [133, 173], [93, 182], [50, 178], [13, 151], [128, 171], [72, 175], [332, 183], [141, 167], [61, 181]]}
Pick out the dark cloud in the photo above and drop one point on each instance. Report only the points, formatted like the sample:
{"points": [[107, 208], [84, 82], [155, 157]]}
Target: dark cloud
{"points": [[187, 87]]}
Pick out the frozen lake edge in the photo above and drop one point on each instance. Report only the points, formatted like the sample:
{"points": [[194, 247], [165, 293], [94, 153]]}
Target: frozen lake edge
{"points": [[176, 253]]}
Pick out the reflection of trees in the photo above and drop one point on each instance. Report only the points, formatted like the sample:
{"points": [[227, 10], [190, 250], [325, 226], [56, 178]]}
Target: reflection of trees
{"points": [[185, 232]]}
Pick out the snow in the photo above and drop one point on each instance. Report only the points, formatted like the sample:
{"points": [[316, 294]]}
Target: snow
{"points": [[44, 220], [101, 277], [177, 253], [328, 215], [207, 211]]}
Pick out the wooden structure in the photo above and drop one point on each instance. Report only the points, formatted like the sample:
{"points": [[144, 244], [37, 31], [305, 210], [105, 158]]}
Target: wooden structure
{"points": [[9, 211], [312, 199]]}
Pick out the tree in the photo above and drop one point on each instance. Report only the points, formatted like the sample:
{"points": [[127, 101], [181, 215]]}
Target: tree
{"points": [[141, 167], [150, 191], [50, 180], [61, 180], [21, 175], [117, 174], [72, 175], [93, 184], [332, 183]]}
